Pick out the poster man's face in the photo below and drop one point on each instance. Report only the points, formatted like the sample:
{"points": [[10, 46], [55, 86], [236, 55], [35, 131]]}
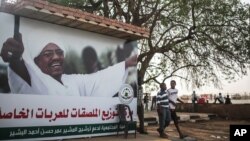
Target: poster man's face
{"points": [[51, 60]]}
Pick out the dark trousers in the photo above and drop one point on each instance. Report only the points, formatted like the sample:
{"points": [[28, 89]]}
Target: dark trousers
{"points": [[221, 102], [140, 113], [164, 118], [194, 106], [175, 119], [153, 105]]}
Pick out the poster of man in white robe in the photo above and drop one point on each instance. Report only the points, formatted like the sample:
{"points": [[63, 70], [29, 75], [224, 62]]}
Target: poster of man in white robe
{"points": [[93, 66]]}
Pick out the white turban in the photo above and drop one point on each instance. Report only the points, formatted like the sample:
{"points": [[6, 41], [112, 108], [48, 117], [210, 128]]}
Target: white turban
{"points": [[36, 46], [34, 42], [36, 36]]}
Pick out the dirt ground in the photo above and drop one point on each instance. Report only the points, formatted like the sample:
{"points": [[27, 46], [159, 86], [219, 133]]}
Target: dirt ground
{"points": [[212, 130]]}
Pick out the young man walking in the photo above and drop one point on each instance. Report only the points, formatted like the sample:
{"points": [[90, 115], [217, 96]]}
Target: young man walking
{"points": [[173, 98], [163, 110]]}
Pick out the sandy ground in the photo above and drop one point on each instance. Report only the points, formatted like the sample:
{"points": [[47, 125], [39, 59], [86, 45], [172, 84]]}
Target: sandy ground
{"points": [[212, 130], [206, 130]]}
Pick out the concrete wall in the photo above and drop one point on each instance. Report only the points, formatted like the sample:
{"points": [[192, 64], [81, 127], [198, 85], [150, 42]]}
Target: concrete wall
{"points": [[233, 111]]}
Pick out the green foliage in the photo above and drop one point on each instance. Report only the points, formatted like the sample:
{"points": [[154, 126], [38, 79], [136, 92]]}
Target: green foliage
{"points": [[199, 41]]}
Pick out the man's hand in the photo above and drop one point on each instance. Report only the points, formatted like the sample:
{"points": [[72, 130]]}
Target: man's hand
{"points": [[180, 101], [131, 61], [12, 49], [12, 52], [159, 109], [170, 101]]}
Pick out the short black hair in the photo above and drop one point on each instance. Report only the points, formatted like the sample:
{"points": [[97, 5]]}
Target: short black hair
{"points": [[162, 84]]}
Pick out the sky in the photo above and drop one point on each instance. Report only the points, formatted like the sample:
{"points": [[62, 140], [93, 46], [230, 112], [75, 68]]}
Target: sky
{"points": [[247, 1], [241, 85]]}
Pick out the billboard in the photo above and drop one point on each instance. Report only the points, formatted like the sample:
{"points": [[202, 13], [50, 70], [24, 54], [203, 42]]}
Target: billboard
{"points": [[59, 82]]}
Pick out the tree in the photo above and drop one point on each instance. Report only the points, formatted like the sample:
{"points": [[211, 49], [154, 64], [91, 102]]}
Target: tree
{"points": [[200, 41]]}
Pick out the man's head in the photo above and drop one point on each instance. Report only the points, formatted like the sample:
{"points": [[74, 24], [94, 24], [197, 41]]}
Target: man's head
{"points": [[90, 60], [172, 84], [163, 86], [51, 61]]}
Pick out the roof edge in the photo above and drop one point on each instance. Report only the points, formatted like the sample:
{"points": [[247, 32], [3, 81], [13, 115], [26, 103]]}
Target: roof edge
{"points": [[44, 11]]}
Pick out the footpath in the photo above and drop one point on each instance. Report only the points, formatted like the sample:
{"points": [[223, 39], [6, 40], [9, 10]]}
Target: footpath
{"points": [[198, 126], [151, 117]]}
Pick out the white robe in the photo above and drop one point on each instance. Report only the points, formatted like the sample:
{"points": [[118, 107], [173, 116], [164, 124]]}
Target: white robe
{"points": [[104, 83]]}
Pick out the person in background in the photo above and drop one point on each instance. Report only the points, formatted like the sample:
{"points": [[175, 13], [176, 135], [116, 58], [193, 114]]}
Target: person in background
{"points": [[220, 98], [90, 60], [201, 100], [173, 98], [125, 50], [215, 96], [140, 108], [163, 110], [228, 100], [194, 101], [153, 105], [146, 100]]}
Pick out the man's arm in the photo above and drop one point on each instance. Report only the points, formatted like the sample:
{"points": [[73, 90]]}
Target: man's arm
{"points": [[158, 103], [131, 61], [180, 100], [172, 102], [11, 52]]}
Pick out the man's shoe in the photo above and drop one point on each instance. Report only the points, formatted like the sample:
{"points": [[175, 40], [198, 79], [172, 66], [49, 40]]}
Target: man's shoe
{"points": [[143, 132], [182, 136], [163, 135], [158, 130]]}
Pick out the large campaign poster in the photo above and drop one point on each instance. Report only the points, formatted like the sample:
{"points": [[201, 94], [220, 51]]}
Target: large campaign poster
{"points": [[65, 84]]}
